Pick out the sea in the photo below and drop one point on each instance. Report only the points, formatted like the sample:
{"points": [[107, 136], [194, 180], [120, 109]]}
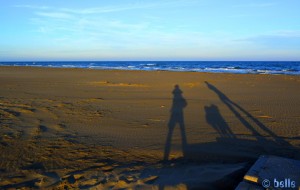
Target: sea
{"points": [[237, 67]]}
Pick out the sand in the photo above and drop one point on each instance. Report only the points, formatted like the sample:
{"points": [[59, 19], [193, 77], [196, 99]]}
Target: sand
{"points": [[98, 129]]}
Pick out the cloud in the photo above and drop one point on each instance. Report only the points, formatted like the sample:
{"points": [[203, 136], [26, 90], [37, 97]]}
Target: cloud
{"points": [[99, 10], [58, 15], [32, 7], [282, 39], [87, 21], [255, 5], [110, 9], [91, 28], [85, 11]]}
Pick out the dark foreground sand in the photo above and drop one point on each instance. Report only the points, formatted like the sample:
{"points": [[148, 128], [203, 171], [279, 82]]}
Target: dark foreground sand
{"points": [[75, 128]]}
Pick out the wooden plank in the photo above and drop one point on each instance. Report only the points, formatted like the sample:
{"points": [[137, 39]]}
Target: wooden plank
{"points": [[272, 172]]}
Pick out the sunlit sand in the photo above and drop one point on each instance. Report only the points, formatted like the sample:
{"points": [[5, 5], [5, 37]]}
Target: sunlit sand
{"points": [[81, 128]]}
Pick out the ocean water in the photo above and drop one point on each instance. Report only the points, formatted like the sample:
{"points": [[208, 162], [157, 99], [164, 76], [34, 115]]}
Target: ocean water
{"points": [[241, 67]]}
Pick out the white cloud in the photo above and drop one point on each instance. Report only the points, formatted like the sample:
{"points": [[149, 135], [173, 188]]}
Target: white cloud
{"points": [[32, 7], [56, 15], [109, 9], [277, 39], [255, 5]]}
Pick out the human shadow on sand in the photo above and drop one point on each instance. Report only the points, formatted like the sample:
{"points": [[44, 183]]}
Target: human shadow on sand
{"points": [[215, 119], [233, 148], [231, 154], [188, 170], [237, 110], [177, 117], [247, 119]]}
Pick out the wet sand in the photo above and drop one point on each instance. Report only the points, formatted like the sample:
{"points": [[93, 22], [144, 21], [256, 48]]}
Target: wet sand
{"points": [[81, 128]]}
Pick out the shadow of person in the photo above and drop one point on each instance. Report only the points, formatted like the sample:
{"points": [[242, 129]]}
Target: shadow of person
{"points": [[237, 110], [215, 119], [177, 116]]}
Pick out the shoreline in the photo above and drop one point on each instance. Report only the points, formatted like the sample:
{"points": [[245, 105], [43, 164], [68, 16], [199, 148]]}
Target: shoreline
{"points": [[116, 121], [235, 68], [144, 70]]}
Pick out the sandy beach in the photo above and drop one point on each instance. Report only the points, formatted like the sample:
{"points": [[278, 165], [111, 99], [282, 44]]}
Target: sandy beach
{"points": [[101, 129]]}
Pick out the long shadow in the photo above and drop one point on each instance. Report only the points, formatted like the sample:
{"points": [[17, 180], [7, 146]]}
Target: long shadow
{"points": [[231, 154], [177, 117], [237, 110], [215, 119], [182, 170]]}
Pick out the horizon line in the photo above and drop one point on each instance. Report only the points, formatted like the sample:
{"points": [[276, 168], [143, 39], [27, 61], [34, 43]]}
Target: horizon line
{"points": [[151, 61]]}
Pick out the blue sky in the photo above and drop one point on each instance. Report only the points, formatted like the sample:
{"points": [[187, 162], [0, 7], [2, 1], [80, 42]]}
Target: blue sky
{"points": [[34, 30]]}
